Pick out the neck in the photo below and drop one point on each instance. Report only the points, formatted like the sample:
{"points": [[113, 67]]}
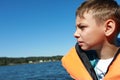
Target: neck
{"points": [[108, 51]]}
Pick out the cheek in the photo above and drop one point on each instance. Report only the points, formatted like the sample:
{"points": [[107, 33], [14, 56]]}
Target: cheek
{"points": [[93, 37], [86, 35]]}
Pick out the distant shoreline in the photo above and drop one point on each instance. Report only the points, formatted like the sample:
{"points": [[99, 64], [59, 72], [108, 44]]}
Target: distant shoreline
{"points": [[23, 60]]}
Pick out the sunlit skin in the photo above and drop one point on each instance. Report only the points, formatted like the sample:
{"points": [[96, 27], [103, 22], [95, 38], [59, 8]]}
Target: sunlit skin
{"points": [[91, 35]]}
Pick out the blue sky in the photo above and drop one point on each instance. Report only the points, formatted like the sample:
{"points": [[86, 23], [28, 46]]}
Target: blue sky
{"points": [[37, 27]]}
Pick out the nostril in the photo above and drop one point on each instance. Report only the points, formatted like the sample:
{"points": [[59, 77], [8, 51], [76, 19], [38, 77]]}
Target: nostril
{"points": [[76, 35]]}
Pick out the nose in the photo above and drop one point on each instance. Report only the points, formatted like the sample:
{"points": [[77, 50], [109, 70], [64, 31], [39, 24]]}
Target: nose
{"points": [[76, 34]]}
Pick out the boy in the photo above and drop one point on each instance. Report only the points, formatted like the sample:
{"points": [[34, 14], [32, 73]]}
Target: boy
{"points": [[96, 55]]}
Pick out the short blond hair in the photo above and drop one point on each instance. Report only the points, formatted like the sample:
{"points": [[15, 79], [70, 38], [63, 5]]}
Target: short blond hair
{"points": [[101, 11]]}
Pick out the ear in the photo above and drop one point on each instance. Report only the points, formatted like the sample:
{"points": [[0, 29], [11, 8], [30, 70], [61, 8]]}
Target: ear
{"points": [[109, 27]]}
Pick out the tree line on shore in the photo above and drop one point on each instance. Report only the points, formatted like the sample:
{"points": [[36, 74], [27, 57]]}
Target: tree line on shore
{"points": [[24, 60]]}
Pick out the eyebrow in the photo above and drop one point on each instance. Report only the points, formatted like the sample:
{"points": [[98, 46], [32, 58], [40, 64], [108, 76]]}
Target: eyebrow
{"points": [[80, 24]]}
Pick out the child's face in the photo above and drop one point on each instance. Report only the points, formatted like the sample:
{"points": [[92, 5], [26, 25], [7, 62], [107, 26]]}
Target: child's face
{"points": [[89, 34]]}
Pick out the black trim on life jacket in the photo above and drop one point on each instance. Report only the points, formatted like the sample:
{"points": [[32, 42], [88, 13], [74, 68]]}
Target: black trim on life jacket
{"points": [[117, 53], [84, 58]]}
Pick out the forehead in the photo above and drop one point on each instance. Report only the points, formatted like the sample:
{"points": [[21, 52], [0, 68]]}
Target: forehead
{"points": [[86, 18]]}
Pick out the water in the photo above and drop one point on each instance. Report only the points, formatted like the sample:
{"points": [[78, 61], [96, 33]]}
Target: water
{"points": [[39, 71]]}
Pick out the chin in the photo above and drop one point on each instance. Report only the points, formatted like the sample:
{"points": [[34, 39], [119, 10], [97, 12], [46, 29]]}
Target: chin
{"points": [[85, 48]]}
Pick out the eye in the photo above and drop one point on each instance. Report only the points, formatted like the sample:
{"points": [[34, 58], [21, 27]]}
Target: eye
{"points": [[81, 27]]}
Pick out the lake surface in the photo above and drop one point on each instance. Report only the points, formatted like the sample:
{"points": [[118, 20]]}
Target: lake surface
{"points": [[39, 71]]}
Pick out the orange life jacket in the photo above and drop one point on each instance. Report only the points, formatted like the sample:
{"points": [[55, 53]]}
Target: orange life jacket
{"points": [[77, 70]]}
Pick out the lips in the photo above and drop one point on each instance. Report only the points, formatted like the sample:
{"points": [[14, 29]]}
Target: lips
{"points": [[80, 43]]}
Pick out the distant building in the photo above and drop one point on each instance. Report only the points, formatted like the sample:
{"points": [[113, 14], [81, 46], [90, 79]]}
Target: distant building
{"points": [[41, 61], [30, 62]]}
